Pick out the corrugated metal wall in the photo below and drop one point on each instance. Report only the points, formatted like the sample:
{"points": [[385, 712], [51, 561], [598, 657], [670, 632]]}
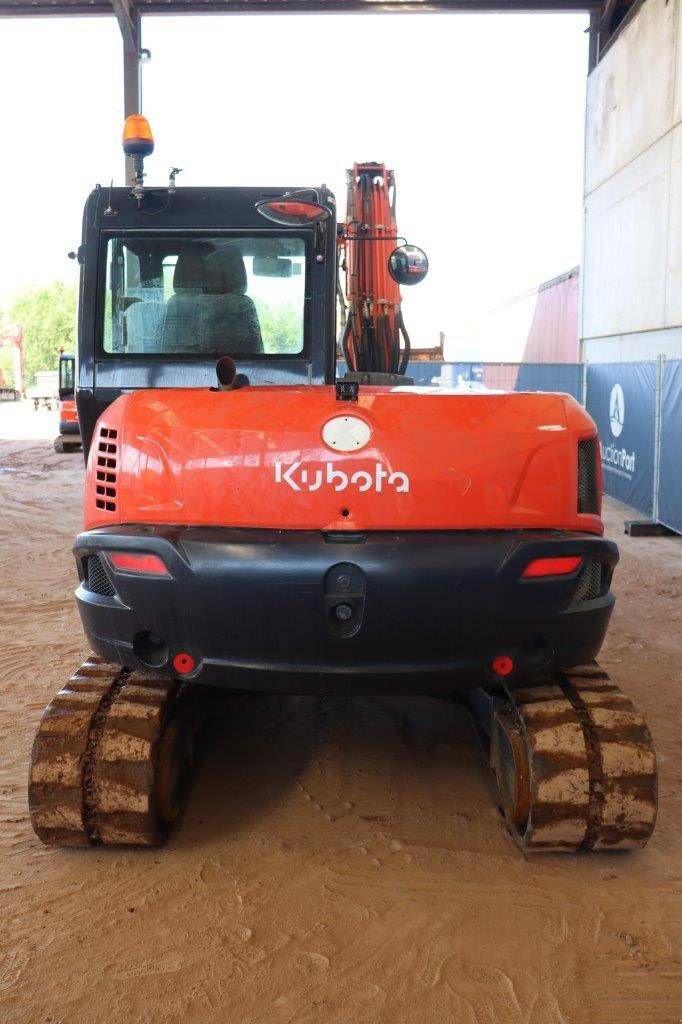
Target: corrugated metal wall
{"points": [[553, 334]]}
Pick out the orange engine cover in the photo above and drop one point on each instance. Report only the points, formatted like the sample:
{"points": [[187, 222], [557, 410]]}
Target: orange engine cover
{"points": [[397, 459], [67, 411]]}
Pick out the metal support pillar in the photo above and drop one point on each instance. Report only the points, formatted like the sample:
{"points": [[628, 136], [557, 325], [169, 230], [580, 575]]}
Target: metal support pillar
{"points": [[130, 23], [594, 34]]}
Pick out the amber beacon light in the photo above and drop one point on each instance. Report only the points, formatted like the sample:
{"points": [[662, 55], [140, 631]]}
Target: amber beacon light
{"points": [[138, 142], [137, 136]]}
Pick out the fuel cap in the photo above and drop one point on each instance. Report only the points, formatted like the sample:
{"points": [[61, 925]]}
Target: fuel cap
{"points": [[346, 433]]}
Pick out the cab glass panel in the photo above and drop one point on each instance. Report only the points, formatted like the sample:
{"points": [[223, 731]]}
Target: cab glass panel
{"points": [[205, 296]]}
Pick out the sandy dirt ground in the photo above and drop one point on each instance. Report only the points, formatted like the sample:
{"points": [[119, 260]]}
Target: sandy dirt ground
{"points": [[340, 862]]}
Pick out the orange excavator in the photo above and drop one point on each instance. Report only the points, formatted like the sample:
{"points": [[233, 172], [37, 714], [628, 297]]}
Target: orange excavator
{"points": [[12, 336], [254, 521], [68, 439]]}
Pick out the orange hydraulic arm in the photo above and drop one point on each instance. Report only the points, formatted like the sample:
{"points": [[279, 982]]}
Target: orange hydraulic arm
{"points": [[374, 324]]}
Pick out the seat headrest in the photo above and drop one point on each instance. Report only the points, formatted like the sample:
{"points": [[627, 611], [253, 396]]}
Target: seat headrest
{"points": [[189, 269], [225, 271], [215, 272]]}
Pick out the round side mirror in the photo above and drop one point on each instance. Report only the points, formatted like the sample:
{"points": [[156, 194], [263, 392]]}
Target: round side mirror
{"points": [[408, 264]]}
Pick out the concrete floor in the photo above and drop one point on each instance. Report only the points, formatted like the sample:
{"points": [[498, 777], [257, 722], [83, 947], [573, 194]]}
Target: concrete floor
{"points": [[339, 861]]}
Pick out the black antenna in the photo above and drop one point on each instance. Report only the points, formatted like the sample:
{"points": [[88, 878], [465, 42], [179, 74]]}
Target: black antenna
{"points": [[110, 211]]}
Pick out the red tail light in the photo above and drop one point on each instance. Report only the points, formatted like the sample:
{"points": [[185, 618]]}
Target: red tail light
{"points": [[502, 666], [561, 566], [131, 561], [293, 212], [184, 663]]}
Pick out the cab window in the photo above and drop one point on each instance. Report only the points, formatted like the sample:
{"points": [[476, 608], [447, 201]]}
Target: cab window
{"points": [[205, 296]]}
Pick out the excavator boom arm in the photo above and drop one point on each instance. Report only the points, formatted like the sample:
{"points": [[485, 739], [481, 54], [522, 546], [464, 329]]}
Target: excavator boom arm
{"points": [[371, 339]]}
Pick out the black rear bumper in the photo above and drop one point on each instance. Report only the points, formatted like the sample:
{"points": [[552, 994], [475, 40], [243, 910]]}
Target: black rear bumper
{"points": [[307, 612]]}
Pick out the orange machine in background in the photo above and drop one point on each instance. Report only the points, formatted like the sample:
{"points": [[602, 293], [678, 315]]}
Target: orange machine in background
{"points": [[69, 439], [12, 336]]}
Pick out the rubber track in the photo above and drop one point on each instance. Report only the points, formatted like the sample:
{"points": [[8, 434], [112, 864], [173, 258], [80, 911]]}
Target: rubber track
{"points": [[592, 765], [624, 777], [92, 774]]}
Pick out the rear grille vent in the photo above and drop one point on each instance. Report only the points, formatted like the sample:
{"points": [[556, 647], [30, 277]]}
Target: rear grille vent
{"points": [[588, 476], [107, 465], [96, 579], [591, 584]]}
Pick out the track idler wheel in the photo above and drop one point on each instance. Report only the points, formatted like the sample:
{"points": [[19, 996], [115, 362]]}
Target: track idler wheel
{"points": [[509, 761], [574, 765], [176, 755], [111, 758]]}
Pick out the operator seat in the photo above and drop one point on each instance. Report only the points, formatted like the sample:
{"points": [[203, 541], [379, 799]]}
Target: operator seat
{"points": [[209, 311], [232, 321], [182, 331]]}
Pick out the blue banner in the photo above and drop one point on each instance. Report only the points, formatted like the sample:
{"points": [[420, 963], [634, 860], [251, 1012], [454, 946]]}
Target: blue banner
{"points": [[621, 398], [670, 473]]}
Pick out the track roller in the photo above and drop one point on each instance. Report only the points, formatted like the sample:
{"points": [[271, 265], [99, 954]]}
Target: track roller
{"points": [[67, 443], [111, 758], [574, 764]]}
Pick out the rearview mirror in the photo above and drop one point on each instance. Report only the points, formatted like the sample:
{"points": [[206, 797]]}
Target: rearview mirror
{"points": [[408, 264], [272, 266]]}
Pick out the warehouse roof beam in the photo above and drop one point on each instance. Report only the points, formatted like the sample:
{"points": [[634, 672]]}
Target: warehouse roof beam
{"points": [[40, 8]]}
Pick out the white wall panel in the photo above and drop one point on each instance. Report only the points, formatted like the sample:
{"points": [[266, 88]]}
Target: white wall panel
{"points": [[630, 94], [625, 252], [632, 254], [673, 305], [632, 348]]}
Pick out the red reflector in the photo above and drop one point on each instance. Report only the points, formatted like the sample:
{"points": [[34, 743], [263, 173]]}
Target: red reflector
{"points": [[131, 561], [184, 663], [552, 566], [502, 665]]}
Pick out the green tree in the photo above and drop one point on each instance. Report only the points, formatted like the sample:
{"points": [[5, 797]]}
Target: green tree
{"points": [[280, 326], [48, 317]]}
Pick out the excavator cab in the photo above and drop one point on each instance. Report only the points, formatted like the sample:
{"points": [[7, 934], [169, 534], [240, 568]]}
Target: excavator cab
{"points": [[67, 375], [173, 281]]}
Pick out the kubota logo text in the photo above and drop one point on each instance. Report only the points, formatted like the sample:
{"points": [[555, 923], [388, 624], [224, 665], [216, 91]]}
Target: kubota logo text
{"points": [[308, 479]]}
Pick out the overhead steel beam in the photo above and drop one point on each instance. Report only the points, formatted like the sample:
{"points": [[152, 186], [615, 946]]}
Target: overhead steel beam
{"points": [[594, 35], [130, 23], [607, 10], [44, 8]]}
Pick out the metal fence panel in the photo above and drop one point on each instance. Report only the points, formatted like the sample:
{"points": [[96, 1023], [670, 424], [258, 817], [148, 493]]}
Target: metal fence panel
{"points": [[670, 472], [563, 377], [621, 398]]}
